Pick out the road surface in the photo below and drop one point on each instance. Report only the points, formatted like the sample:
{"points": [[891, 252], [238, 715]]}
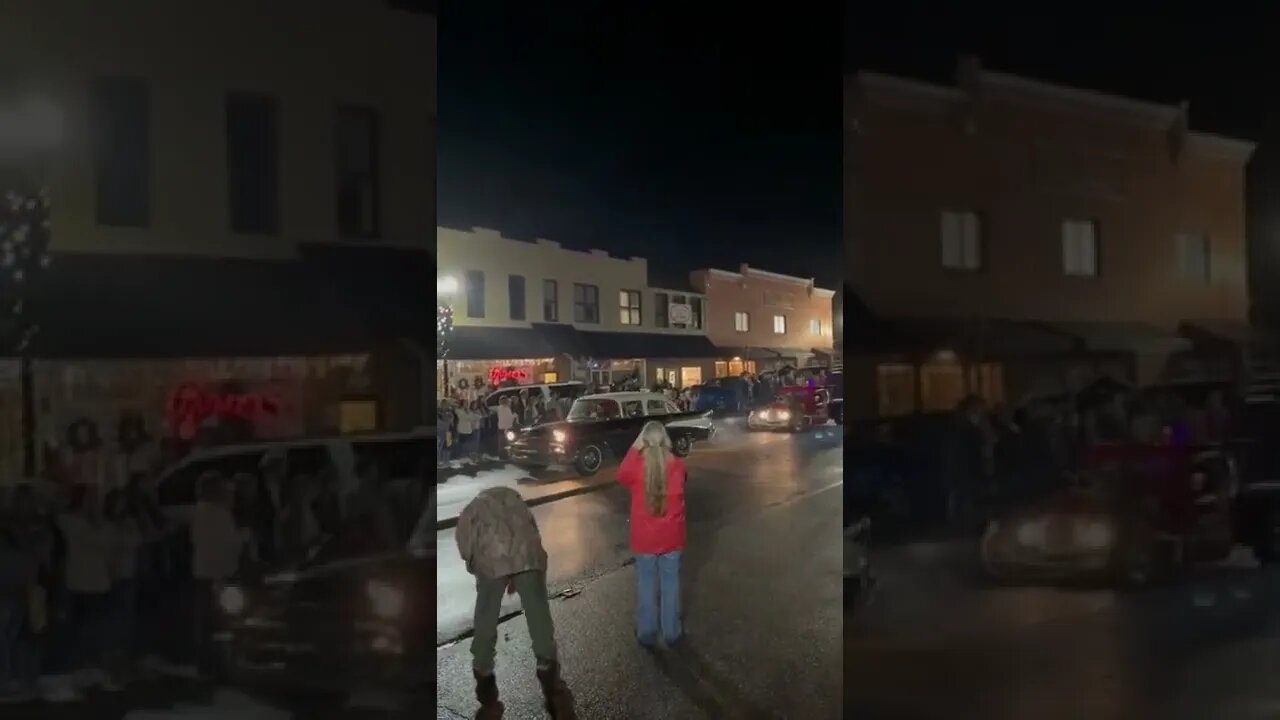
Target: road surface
{"points": [[762, 596]]}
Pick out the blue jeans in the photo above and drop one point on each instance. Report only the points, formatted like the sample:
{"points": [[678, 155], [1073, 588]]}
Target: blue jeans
{"points": [[658, 575]]}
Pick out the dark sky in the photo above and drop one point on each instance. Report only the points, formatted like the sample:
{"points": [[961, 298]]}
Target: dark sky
{"points": [[1218, 61], [694, 138]]}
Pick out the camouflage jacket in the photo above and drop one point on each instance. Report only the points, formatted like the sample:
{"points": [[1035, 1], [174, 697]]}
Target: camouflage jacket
{"points": [[497, 535]]}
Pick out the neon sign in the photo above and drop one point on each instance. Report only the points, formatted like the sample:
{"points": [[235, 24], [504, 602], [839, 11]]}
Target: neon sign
{"points": [[498, 374], [190, 404]]}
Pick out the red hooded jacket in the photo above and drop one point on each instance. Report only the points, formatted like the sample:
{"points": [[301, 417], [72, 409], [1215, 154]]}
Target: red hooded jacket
{"points": [[651, 534]]}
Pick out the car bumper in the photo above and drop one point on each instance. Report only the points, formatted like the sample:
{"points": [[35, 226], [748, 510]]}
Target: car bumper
{"points": [[529, 456], [757, 424]]}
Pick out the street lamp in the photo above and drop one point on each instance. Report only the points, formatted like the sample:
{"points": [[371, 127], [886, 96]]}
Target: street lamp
{"points": [[446, 286]]}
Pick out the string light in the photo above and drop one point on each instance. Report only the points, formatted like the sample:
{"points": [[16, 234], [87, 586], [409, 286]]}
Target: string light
{"points": [[444, 329], [24, 252]]}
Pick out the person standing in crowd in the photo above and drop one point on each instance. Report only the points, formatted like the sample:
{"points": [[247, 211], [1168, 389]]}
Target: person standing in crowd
{"points": [[216, 549], [466, 420], [274, 470], [506, 421], [17, 582], [655, 477], [296, 524], [501, 546], [87, 574], [443, 416], [965, 460], [126, 541]]}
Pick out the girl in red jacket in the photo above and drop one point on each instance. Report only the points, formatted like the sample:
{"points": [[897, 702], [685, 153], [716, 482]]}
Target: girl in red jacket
{"points": [[656, 479]]}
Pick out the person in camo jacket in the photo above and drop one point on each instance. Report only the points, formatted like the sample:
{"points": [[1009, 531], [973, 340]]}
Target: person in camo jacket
{"points": [[500, 544]]}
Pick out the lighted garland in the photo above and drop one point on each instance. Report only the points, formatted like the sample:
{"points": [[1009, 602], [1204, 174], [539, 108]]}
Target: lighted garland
{"points": [[444, 329], [24, 252]]}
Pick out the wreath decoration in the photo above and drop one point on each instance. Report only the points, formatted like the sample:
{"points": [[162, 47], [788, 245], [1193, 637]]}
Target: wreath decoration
{"points": [[89, 429], [131, 433]]}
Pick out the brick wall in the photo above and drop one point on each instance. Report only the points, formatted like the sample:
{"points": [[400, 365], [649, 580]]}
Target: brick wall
{"points": [[762, 297]]}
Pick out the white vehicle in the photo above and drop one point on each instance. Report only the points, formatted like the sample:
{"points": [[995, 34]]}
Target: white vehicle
{"points": [[562, 394], [401, 457]]}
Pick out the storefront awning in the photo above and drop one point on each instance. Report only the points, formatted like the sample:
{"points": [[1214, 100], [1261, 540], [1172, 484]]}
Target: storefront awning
{"points": [[1119, 337], [618, 345], [1220, 333], [990, 337], [493, 343]]}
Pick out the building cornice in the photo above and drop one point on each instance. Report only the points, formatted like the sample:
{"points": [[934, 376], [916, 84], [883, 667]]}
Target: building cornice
{"points": [[765, 274]]}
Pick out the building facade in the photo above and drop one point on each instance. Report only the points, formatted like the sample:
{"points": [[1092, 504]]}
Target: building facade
{"points": [[189, 174], [1008, 236], [538, 312], [767, 319]]}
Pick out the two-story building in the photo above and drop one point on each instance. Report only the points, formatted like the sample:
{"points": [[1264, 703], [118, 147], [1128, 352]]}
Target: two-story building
{"points": [[766, 320], [1007, 236], [539, 312], [226, 179]]}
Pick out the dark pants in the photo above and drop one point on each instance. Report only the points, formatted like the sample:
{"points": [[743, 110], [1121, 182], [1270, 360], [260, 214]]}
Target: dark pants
{"points": [[124, 619], [90, 615], [205, 620]]}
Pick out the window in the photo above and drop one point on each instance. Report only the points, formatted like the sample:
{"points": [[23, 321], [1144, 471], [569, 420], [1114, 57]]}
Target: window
{"points": [[690, 376], [180, 486], [1080, 248], [550, 377], [961, 240], [515, 291], [358, 200], [895, 390], [629, 307], [815, 327], [779, 324], [120, 114], [722, 369], [586, 303], [357, 416], [986, 380], [550, 301], [695, 308], [632, 409], [1193, 257], [656, 406], [475, 294], [741, 322], [660, 308], [252, 159], [942, 386]]}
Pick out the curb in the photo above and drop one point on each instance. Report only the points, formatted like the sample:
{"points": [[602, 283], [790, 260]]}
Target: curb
{"points": [[542, 500]]}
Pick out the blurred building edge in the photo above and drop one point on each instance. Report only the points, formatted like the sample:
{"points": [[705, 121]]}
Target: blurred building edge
{"points": [[1008, 237], [239, 210]]}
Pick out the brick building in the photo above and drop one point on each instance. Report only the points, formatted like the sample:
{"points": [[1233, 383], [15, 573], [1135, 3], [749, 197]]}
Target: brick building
{"points": [[766, 319], [1007, 236]]}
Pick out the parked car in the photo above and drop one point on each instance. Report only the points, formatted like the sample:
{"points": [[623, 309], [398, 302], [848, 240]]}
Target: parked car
{"points": [[399, 456], [605, 424], [353, 614]]}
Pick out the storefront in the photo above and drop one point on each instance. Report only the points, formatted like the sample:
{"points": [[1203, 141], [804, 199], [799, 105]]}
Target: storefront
{"points": [[498, 372], [735, 367]]}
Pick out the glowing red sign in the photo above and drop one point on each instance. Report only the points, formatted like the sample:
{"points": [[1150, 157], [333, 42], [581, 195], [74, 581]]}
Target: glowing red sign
{"points": [[190, 404], [497, 375]]}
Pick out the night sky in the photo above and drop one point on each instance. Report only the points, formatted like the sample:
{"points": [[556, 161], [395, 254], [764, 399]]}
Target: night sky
{"points": [[693, 138], [1216, 61]]}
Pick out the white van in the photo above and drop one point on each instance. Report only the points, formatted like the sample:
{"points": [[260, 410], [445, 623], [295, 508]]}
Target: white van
{"points": [[401, 457]]}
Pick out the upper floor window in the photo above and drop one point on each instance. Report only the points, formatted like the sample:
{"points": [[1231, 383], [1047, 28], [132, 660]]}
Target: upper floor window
{"points": [[515, 291], [779, 324], [475, 294], [586, 303], [120, 122], [661, 306], [741, 322], [961, 240], [695, 308], [1080, 248], [815, 327], [629, 307], [550, 301], [358, 191], [1193, 257], [685, 312], [252, 152]]}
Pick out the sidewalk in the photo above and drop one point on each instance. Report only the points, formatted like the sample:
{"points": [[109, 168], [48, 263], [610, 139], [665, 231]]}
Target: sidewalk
{"points": [[465, 483], [763, 617]]}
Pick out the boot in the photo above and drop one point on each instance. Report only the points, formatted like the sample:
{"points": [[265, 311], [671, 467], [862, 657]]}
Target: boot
{"points": [[487, 693], [559, 701]]}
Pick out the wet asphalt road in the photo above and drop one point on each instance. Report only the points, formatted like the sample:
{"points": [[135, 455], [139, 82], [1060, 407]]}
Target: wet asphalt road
{"points": [[762, 597], [938, 642], [586, 536]]}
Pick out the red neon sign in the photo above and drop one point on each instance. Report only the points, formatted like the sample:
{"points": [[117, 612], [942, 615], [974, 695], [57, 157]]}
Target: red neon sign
{"points": [[190, 404], [497, 375]]}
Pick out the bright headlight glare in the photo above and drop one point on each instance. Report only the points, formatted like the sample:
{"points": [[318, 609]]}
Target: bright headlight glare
{"points": [[784, 415], [1031, 532], [558, 435], [232, 600], [387, 601], [511, 435], [1093, 534]]}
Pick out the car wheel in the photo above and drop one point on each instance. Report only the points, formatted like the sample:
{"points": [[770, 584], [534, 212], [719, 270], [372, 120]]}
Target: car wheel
{"points": [[1267, 548], [589, 460], [681, 445]]}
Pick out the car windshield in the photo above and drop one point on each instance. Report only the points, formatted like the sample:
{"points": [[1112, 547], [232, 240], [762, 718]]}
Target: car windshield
{"points": [[391, 520], [594, 409]]}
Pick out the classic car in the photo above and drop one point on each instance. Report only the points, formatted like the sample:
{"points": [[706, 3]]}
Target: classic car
{"points": [[1135, 513], [605, 424], [796, 408], [356, 612]]}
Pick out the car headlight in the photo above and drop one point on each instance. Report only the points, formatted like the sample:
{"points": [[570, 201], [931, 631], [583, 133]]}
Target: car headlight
{"points": [[386, 600], [559, 435], [1032, 532], [511, 435], [232, 600], [784, 415], [1093, 534]]}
